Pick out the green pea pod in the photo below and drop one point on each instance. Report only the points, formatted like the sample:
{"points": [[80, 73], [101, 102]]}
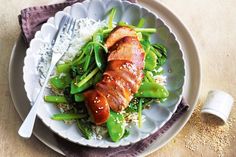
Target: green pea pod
{"points": [[98, 51], [161, 48], [149, 77], [152, 90], [112, 14], [79, 97], [116, 126], [150, 61], [60, 82], [63, 68], [85, 128], [55, 99], [68, 116], [91, 81], [141, 23], [88, 59], [75, 89]]}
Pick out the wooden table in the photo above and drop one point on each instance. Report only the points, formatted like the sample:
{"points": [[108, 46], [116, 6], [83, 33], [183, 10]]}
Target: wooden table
{"points": [[213, 26]]}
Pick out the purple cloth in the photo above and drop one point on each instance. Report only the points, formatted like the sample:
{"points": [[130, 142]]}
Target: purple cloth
{"points": [[75, 150], [31, 20]]}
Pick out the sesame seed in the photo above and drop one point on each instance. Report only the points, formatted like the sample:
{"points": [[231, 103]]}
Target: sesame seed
{"points": [[208, 133]]}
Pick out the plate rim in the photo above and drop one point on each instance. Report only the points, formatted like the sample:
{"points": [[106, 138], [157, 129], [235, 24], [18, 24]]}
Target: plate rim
{"points": [[197, 91]]}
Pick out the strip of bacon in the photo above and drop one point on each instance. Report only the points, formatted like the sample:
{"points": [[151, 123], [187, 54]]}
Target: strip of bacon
{"points": [[122, 78]]}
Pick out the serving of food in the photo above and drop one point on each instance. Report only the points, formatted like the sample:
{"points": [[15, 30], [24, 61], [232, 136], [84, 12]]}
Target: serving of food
{"points": [[118, 82]]}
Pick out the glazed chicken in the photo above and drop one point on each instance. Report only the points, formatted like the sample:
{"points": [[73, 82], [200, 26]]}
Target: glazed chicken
{"points": [[122, 77]]}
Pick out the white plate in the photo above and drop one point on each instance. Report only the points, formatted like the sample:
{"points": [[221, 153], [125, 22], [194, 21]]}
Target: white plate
{"points": [[191, 87], [156, 117]]}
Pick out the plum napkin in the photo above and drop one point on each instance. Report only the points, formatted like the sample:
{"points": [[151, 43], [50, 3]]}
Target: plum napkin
{"points": [[75, 150], [31, 20]]}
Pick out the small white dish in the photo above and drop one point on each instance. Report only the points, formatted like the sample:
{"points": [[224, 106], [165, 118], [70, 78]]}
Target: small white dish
{"points": [[159, 113], [218, 104]]}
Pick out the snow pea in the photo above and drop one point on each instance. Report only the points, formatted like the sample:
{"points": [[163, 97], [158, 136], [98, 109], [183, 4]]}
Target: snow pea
{"points": [[152, 90], [150, 61], [141, 23], [55, 99], [140, 112], [88, 58], [85, 128], [88, 83], [161, 48], [63, 68], [58, 82], [98, 51], [116, 126], [112, 14], [68, 116], [79, 97]]}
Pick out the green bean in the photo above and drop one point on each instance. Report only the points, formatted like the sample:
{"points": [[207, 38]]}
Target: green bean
{"points": [[99, 55], [85, 128], [105, 31], [58, 82], [156, 51], [140, 113], [141, 23], [55, 99], [149, 76], [122, 23], [152, 90], [79, 59], [146, 30], [100, 44], [68, 116], [150, 61], [87, 72], [63, 68], [79, 97], [161, 47], [143, 30], [75, 89], [111, 17], [87, 78], [116, 126], [88, 60]]}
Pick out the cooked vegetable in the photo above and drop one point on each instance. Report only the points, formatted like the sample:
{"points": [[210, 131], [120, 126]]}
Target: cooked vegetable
{"points": [[87, 78], [116, 126], [68, 116], [60, 82], [85, 128], [79, 97], [63, 68], [140, 113], [88, 58], [99, 53], [77, 89], [55, 99], [141, 23], [111, 17], [150, 61], [152, 90]]}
